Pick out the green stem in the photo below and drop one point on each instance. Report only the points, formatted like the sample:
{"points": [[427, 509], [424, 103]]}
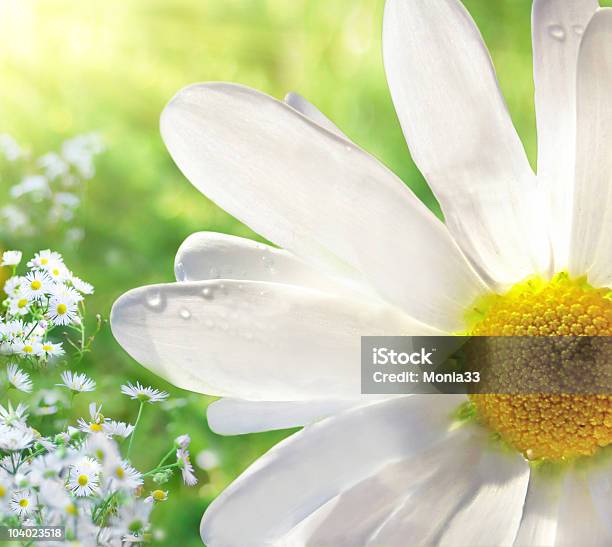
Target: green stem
{"points": [[160, 468], [129, 450]]}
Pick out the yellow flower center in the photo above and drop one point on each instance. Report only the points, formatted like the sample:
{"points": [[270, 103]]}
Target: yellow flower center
{"points": [[71, 509], [2, 491], [158, 495], [120, 472], [24, 502], [95, 427], [22, 303], [83, 480], [62, 308], [547, 426], [28, 349], [44, 261], [35, 285]]}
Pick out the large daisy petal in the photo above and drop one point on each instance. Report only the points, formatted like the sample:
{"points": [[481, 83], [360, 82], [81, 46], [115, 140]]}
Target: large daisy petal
{"points": [[313, 466], [311, 111], [253, 340], [210, 255], [318, 196], [557, 28], [236, 417], [591, 249], [461, 137]]}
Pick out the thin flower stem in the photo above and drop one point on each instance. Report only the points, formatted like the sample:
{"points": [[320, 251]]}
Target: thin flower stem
{"points": [[129, 450], [160, 468], [163, 460]]}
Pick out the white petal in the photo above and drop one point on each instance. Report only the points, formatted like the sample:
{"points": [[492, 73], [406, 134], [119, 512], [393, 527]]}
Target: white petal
{"points": [[253, 340], [461, 137], [420, 479], [591, 249], [479, 503], [236, 417], [319, 197], [540, 514], [579, 521], [210, 255], [309, 110], [313, 466], [557, 27], [600, 484]]}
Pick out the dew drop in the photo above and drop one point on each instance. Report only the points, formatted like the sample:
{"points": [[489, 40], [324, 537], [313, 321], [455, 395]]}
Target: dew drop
{"points": [[179, 272], [185, 313], [154, 299], [207, 293], [557, 32], [578, 30]]}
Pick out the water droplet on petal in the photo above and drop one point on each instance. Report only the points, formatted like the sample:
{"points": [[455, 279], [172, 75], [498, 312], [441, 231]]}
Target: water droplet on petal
{"points": [[557, 32], [179, 271], [208, 293], [154, 299], [185, 313], [578, 29]]}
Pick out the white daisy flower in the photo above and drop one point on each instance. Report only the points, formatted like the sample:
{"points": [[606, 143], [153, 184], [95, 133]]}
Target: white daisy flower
{"points": [[18, 378], [14, 416], [157, 496], [6, 485], [101, 447], [51, 349], [182, 456], [121, 475], [23, 503], [81, 286], [63, 309], [132, 520], [97, 420], [144, 394], [182, 441], [37, 284], [20, 303], [12, 285], [364, 256], [43, 259], [58, 272], [15, 438], [84, 477], [11, 258], [78, 382], [27, 348], [117, 429]]}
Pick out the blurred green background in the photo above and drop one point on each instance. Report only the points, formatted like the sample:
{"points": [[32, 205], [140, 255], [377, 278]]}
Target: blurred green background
{"points": [[69, 67]]}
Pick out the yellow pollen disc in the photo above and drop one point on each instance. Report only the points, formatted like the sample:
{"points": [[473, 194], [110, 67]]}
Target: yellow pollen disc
{"points": [[95, 427], [83, 480], [24, 503], [71, 509], [158, 495], [2, 491], [22, 303], [547, 426], [44, 261], [120, 472], [28, 349], [61, 309], [35, 285]]}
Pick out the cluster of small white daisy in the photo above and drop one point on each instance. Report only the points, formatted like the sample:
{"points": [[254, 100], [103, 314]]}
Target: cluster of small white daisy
{"points": [[79, 478], [33, 306], [49, 187]]}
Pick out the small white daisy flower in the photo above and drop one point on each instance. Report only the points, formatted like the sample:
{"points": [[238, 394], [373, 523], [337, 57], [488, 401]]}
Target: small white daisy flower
{"points": [[144, 394], [96, 425], [102, 448], [43, 259], [81, 286], [37, 284], [63, 309], [14, 416], [11, 258], [121, 475], [50, 349], [23, 503], [182, 456], [182, 441], [58, 271], [27, 348], [15, 439], [117, 429], [12, 285], [18, 378], [84, 477], [77, 382], [20, 303], [157, 496]]}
